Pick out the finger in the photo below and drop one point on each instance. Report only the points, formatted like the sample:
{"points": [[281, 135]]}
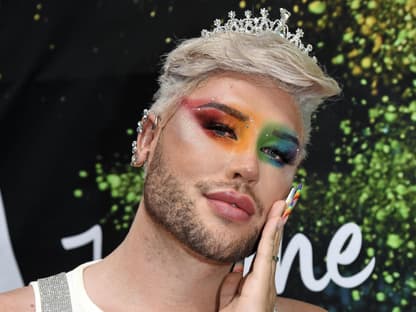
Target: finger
{"points": [[276, 212], [277, 243], [263, 266], [277, 209]]}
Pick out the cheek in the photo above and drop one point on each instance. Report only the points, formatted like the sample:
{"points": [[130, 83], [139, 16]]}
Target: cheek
{"points": [[275, 183], [186, 149]]}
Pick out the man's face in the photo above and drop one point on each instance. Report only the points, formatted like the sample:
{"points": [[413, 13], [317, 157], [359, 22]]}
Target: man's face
{"points": [[227, 154]]}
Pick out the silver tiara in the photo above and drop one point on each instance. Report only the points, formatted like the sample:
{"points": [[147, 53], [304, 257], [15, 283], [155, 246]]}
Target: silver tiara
{"points": [[258, 25]]}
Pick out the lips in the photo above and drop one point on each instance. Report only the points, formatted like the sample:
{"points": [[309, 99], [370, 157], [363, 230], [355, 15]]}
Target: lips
{"points": [[232, 205]]}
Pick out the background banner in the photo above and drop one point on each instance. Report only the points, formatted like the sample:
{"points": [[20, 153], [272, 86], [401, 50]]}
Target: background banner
{"points": [[76, 75]]}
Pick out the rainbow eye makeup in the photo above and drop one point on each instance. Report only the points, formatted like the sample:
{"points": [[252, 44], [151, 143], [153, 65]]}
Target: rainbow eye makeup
{"points": [[277, 145], [223, 123], [238, 131], [219, 120]]}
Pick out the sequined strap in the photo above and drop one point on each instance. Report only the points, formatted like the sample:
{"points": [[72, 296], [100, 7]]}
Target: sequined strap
{"points": [[54, 294]]}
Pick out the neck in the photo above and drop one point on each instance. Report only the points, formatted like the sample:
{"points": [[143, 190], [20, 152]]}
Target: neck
{"points": [[151, 269]]}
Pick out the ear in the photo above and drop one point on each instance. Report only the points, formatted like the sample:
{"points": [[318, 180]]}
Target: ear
{"points": [[147, 130]]}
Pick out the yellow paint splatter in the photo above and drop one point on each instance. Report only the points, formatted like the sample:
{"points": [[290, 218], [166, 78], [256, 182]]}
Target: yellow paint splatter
{"points": [[370, 21], [36, 17], [243, 4], [296, 8], [153, 13], [378, 41], [356, 70], [366, 62], [354, 53]]}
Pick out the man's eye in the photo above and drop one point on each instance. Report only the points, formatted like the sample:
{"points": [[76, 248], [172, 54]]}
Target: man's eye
{"points": [[276, 155], [221, 130]]}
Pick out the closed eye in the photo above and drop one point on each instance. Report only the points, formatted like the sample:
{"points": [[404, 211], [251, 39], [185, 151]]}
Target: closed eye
{"points": [[221, 130]]}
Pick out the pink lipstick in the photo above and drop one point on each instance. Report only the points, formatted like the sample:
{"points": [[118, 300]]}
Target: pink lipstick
{"points": [[232, 205]]}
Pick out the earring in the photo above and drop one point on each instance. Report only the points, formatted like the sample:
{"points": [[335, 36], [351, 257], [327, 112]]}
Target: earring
{"points": [[140, 125], [133, 162]]}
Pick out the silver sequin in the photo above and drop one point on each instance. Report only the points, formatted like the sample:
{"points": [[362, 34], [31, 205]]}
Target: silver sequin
{"points": [[54, 294]]}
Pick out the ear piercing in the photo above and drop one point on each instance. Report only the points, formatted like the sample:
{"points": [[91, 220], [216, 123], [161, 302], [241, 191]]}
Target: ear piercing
{"points": [[133, 162], [141, 122], [140, 127]]}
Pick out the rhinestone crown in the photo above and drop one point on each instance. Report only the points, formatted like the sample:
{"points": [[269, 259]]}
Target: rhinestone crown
{"points": [[258, 25]]}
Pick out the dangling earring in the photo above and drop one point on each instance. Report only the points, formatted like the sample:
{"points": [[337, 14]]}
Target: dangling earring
{"points": [[140, 126]]}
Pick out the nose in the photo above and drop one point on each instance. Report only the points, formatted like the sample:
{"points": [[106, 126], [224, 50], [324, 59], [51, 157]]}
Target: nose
{"points": [[244, 167]]}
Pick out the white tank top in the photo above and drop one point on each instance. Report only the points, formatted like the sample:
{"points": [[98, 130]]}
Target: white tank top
{"points": [[55, 296], [78, 295]]}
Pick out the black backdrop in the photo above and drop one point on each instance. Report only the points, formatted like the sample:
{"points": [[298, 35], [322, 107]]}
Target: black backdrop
{"points": [[74, 76]]}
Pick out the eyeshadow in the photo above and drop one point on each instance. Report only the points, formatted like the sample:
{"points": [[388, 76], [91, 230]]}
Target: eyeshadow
{"points": [[277, 145]]}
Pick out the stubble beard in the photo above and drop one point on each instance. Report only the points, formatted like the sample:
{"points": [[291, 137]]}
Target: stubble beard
{"points": [[168, 204]]}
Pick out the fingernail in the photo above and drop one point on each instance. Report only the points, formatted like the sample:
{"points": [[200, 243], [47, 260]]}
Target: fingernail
{"points": [[293, 198], [290, 196], [238, 266]]}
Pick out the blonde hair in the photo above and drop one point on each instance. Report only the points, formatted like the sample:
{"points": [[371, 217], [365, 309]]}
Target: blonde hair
{"points": [[267, 55]]}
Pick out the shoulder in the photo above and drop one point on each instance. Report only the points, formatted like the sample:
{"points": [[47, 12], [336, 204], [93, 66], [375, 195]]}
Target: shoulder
{"points": [[18, 300], [291, 305]]}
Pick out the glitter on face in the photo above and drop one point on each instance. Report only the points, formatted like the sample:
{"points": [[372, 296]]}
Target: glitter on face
{"points": [[277, 145], [239, 131]]}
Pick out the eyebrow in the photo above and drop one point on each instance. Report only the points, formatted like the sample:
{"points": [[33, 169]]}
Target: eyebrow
{"points": [[285, 136], [226, 109]]}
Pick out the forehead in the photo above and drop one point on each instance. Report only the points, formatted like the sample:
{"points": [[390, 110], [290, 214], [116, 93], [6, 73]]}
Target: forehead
{"points": [[256, 96]]}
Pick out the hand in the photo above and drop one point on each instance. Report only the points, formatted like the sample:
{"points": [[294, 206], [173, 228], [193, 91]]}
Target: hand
{"points": [[256, 291]]}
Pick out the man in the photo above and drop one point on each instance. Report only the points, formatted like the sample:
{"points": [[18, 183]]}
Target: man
{"points": [[220, 147]]}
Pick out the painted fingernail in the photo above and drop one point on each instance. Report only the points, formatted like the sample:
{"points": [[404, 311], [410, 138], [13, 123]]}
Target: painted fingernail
{"points": [[292, 200], [290, 196]]}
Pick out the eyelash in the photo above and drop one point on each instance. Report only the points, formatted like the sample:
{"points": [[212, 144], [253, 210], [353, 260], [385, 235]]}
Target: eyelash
{"points": [[224, 131], [221, 130], [276, 155]]}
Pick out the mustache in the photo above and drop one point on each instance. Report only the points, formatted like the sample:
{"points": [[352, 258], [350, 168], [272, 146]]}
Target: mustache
{"points": [[208, 186]]}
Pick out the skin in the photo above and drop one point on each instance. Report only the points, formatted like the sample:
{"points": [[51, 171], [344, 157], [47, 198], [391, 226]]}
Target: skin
{"points": [[177, 277]]}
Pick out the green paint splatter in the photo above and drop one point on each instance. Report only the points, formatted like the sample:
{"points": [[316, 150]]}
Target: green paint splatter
{"points": [[394, 241], [355, 295], [78, 193], [317, 7], [83, 173]]}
